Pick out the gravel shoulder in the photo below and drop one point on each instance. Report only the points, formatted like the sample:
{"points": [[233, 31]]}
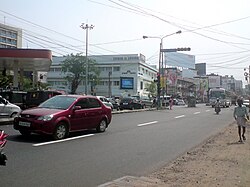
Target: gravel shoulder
{"points": [[218, 161]]}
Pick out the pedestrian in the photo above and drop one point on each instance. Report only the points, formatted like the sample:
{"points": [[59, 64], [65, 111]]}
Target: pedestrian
{"points": [[241, 114], [171, 102]]}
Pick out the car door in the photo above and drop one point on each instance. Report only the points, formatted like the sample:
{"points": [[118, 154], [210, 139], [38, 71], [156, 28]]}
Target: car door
{"points": [[95, 112], [80, 115], [4, 109]]}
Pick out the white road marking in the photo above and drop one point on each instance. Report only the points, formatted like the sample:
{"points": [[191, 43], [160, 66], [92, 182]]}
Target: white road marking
{"points": [[144, 124], [180, 116], [63, 140], [197, 112], [207, 110]]}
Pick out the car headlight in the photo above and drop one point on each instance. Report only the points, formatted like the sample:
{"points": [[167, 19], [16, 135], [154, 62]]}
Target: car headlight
{"points": [[46, 118]]}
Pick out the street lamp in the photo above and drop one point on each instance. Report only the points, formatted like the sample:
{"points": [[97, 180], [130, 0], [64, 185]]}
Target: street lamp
{"points": [[160, 72], [86, 27]]}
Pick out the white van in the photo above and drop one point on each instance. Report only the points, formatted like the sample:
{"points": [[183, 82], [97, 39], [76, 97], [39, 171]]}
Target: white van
{"points": [[8, 109]]}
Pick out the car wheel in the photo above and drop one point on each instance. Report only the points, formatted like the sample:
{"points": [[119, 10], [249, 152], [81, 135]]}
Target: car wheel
{"points": [[13, 115], [102, 126], [61, 131], [24, 132]]}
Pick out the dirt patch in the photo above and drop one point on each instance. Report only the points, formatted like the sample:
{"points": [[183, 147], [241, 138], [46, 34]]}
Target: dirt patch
{"points": [[220, 161]]}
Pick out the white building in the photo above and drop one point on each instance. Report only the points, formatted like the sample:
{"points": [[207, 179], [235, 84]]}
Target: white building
{"points": [[10, 37], [121, 75]]}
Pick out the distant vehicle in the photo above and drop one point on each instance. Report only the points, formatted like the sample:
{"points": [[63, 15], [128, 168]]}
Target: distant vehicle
{"points": [[180, 102], [62, 114], [35, 98], [8, 109], [165, 100], [106, 101], [130, 103], [220, 93], [145, 100], [246, 103], [15, 97], [115, 103]]}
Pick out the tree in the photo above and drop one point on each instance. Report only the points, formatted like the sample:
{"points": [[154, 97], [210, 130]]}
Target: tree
{"points": [[74, 66], [151, 88]]}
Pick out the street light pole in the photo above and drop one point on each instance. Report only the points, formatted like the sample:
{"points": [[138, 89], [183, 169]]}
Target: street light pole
{"points": [[86, 27], [161, 68]]}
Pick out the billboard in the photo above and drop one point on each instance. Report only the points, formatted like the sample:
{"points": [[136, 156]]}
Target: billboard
{"points": [[214, 81], [127, 83], [172, 74], [176, 59]]}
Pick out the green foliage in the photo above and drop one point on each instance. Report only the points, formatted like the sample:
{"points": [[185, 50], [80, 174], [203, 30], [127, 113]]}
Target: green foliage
{"points": [[5, 80], [74, 67], [152, 88]]}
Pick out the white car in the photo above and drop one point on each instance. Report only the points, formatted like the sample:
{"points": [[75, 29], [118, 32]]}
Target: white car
{"points": [[8, 109], [106, 101]]}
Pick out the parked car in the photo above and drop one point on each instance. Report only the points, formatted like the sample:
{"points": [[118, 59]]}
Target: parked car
{"points": [[36, 97], [15, 97], [115, 103], [145, 100], [106, 101], [246, 102], [62, 114], [8, 109], [130, 103], [180, 102]]}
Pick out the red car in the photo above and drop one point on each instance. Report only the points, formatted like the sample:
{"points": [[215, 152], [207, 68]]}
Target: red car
{"points": [[62, 114]]}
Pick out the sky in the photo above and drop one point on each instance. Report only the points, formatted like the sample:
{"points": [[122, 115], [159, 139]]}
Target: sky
{"points": [[217, 31]]}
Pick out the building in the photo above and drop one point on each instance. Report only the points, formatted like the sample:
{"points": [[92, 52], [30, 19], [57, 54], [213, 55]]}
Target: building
{"points": [[10, 37], [201, 69], [121, 75]]}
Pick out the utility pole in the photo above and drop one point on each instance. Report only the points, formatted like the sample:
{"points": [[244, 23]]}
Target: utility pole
{"points": [[110, 93], [160, 75], [86, 27], [247, 78]]}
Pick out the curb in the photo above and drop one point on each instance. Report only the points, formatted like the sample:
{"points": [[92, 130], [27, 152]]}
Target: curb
{"points": [[6, 121]]}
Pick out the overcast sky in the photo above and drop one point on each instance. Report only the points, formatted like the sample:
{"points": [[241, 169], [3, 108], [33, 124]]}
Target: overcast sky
{"points": [[217, 31]]}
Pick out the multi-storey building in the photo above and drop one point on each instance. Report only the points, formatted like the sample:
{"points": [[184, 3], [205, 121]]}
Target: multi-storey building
{"points": [[10, 37], [121, 75]]}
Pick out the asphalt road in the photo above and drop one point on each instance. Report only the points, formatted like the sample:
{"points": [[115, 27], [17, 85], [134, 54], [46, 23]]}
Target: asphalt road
{"points": [[134, 144]]}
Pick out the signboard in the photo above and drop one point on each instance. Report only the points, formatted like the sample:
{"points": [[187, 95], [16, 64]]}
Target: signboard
{"points": [[176, 59], [214, 81], [127, 83]]}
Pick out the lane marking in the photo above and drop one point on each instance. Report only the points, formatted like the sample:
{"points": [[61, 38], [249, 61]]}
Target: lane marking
{"points": [[197, 112], [63, 140], [207, 110], [179, 116], [149, 123]]}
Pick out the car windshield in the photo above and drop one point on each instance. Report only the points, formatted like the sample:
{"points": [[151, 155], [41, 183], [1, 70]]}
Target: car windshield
{"points": [[58, 102]]}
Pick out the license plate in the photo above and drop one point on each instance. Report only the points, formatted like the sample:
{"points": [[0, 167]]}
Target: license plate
{"points": [[24, 124], [125, 103]]}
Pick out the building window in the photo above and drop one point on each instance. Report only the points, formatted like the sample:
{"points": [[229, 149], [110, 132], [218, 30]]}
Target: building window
{"points": [[58, 69], [116, 68], [116, 83], [109, 69], [141, 85]]}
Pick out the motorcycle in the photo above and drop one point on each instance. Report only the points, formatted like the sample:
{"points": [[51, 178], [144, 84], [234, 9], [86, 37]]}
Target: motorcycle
{"points": [[3, 142], [217, 110]]}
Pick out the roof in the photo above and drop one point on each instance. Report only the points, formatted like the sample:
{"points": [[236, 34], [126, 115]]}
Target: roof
{"points": [[27, 59]]}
